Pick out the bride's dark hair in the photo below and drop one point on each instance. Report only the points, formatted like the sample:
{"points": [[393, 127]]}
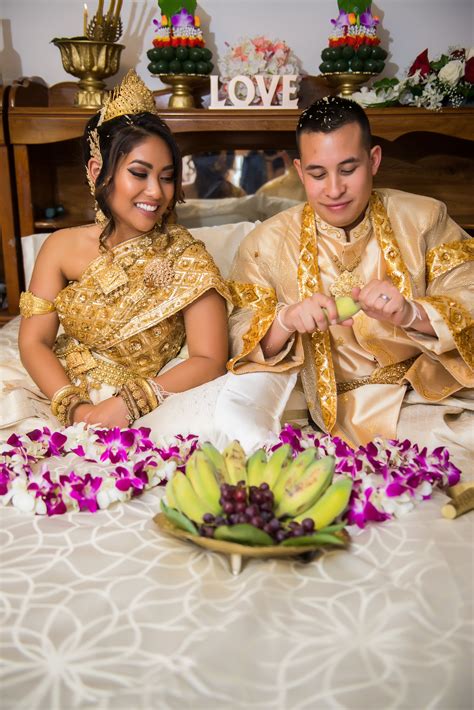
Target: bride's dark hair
{"points": [[117, 138]]}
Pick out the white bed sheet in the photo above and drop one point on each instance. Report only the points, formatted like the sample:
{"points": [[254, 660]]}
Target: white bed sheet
{"points": [[104, 611]]}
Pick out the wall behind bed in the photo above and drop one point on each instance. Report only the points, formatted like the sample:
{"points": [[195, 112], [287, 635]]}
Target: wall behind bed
{"points": [[27, 26]]}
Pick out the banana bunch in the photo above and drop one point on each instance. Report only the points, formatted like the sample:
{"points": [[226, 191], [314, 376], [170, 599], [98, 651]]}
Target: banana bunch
{"points": [[302, 487]]}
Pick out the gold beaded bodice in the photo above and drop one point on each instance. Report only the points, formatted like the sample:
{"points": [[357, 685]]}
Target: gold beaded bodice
{"points": [[127, 306]]}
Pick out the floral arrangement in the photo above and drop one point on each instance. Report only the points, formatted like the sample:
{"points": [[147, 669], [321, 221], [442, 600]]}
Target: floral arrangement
{"points": [[446, 81], [258, 55], [86, 469], [390, 476]]}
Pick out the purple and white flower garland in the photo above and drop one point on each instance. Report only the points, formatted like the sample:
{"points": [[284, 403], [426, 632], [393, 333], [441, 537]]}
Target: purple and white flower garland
{"points": [[390, 476], [111, 464]]}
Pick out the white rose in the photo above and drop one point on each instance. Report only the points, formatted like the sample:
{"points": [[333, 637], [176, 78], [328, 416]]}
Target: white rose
{"points": [[469, 53], [452, 72]]}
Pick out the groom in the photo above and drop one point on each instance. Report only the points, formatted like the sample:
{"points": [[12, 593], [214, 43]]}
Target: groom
{"points": [[405, 361]]}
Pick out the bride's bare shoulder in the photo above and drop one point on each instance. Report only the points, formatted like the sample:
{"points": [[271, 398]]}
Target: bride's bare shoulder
{"points": [[74, 237]]}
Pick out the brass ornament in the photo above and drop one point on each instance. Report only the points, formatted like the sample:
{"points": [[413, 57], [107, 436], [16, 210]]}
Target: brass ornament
{"points": [[131, 97], [159, 273], [31, 305]]}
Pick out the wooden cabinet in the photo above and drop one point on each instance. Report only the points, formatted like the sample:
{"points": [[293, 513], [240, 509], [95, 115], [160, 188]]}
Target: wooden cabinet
{"points": [[427, 152]]}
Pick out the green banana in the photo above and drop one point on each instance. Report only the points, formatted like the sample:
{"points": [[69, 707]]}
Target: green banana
{"points": [[235, 458], [201, 473], [290, 474], [346, 308], [278, 462], [331, 504], [256, 467], [170, 499], [307, 489], [186, 499], [216, 458]]}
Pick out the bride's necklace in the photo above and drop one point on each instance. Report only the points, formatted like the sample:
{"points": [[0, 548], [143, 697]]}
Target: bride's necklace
{"points": [[346, 280]]}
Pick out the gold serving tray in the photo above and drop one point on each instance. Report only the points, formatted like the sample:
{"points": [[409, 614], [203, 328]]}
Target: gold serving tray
{"points": [[235, 551]]}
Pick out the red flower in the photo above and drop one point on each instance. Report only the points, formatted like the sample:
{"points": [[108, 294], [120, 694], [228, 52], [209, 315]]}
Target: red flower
{"points": [[422, 63], [469, 71]]}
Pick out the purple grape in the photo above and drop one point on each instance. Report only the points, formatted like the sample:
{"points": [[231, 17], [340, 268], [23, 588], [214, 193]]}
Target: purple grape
{"points": [[256, 521], [293, 525], [251, 510], [308, 525], [274, 524], [207, 531], [242, 518], [264, 486], [240, 495], [240, 507], [228, 507], [208, 518], [281, 535], [234, 518], [220, 520]]}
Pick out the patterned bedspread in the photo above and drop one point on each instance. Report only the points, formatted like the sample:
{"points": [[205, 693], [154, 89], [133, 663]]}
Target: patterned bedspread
{"points": [[103, 611]]}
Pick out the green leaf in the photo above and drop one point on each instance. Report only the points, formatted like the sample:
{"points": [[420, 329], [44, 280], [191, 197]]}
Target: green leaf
{"points": [[332, 528], [316, 540], [440, 63], [244, 534], [179, 519]]}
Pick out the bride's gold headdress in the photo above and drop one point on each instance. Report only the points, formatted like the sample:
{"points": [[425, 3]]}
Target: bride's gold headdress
{"points": [[129, 98]]}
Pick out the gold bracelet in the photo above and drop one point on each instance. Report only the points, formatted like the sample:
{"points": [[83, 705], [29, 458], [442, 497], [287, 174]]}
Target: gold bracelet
{"points": [[133, 412], [64, 400], [135, 389], [149, 393]]}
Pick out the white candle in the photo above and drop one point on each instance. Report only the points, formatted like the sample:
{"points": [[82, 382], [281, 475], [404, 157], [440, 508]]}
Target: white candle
{"points": [[86, 19]]}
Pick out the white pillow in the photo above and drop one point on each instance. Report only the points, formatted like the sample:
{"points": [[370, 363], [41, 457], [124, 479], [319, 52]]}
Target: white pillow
{"points": [[228, 210], [246, 407], [30, 247]]}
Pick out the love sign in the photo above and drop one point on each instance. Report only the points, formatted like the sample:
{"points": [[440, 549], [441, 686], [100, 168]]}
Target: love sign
{"points": [[267, 87]]}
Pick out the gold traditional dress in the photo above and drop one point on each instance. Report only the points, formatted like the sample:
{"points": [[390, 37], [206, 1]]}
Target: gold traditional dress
{"points": [[357, 380], [123, 318]]}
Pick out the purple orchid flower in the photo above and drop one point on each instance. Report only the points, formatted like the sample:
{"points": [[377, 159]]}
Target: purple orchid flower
{"points": [[341, 21], [368, 20], [117, 443], [85, 491], [182, 19]]}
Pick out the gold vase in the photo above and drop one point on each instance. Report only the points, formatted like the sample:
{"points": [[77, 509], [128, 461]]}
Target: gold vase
{"points": [[183, 87], [91, 61], [347, 82]]}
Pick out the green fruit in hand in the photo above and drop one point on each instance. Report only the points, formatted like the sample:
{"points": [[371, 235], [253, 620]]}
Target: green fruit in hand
{"points": [[334, 53], [331, 504], [370, 65], [182, 53], [189, 67], [206, 54], [201, 67], [346, 307], [326, 67], [175, 66], [195, 54], [347, 52], [243, 534], [326, 54], [168, 53], [378, 53], [154, 54], [364, 52], [341, 65], [163, 66], [357, 64], [154, 68]]}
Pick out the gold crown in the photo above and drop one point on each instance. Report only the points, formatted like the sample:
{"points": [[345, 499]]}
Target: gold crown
{"points": [[130, 97]]}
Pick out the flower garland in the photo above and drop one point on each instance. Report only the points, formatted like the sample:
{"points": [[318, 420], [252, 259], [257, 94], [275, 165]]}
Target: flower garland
{"points": [[257, 55], [84, 469], [390, 476], [89, 469], [447, 81]]}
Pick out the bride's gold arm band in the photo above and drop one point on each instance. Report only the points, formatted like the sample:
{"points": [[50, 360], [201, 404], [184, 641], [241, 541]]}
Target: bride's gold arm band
{"points": [[31, 305]]}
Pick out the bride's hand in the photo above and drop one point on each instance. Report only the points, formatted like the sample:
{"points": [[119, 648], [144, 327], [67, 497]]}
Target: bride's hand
{"points": [[112, 412]]}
